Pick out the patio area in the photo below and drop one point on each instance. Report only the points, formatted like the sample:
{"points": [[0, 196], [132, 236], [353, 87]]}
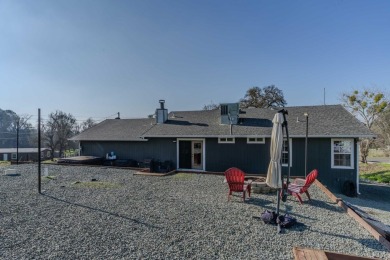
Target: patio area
{"points": [[179, 216]]}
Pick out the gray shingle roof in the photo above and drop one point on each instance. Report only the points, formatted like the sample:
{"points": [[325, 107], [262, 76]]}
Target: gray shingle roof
{"points": [[324, 121], [116, 130]]}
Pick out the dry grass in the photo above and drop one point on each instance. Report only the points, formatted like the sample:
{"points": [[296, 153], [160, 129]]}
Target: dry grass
{"points": [[5, 163], [183, 176]]}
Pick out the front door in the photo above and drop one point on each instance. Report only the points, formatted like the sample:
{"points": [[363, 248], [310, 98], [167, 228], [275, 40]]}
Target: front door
{"points": [[5, 157], [185, 154], [197, 155]]}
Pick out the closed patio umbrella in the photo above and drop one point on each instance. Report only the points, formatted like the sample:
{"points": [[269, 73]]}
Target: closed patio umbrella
{"points": [[274, 174]]}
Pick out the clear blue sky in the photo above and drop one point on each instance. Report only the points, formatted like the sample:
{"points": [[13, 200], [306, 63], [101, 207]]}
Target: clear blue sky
{"points": [[95, 58]]}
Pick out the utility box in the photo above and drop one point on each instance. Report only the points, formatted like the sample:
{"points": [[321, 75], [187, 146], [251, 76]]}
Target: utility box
{"points": [[10, 172], [230, 113]]}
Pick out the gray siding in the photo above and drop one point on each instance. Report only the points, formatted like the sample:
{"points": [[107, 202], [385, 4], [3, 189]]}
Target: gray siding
{"points": [[251, 158], [319, 157], [24, 157], [160, 149]]}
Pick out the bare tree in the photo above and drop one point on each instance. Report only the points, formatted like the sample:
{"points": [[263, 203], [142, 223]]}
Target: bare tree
{"points": [[49, 137], [211, 106], [382, 127], [367, 106], [85, 125], [263, 98], [10, 122], [58, 129]]}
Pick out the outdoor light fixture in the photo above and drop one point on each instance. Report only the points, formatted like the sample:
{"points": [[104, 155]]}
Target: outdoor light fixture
{"points": [[307, 134], [306, 137]]}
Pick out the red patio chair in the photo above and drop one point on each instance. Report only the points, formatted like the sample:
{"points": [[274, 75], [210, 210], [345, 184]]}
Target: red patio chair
{"points": [[236, 181], [300, 186]]}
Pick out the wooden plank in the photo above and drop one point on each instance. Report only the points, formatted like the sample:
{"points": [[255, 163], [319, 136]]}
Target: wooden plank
{"points": [[301, 253], [381, 239], [327, 192], [320, 255], [310, 254]]}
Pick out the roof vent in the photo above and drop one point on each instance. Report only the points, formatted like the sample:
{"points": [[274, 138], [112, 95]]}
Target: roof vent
{"points": [[229, 113], [162, 101], [161, 113]]}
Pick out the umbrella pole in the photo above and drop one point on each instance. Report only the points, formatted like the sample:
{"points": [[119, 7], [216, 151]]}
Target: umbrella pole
{"points": [[277, 208], [283, 191], [285, 126]]}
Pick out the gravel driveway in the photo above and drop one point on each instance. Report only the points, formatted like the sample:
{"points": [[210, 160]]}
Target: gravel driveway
{"points": [[177, 217]]}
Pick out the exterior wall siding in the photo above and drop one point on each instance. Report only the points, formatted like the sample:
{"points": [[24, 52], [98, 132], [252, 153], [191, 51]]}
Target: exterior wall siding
{"points": [[319, 157], [160, 149], [251, 158], [24, 157]]}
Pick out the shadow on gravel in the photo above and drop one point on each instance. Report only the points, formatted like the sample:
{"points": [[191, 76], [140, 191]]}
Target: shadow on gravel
{"points": [[258, 202], [12, 174], [370, 243], [324, 205], [371, 194], [102, 211]]}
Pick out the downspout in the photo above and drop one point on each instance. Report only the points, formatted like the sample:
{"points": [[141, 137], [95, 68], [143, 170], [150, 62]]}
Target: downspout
{"points": [[230, 123], [357, 167]]}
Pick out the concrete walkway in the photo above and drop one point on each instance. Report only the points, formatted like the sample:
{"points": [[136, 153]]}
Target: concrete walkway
{"points": [[378, 160]]}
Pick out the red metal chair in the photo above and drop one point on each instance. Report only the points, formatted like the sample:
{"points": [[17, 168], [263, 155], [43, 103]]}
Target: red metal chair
{"points": [[300, 186], [236, 181]]}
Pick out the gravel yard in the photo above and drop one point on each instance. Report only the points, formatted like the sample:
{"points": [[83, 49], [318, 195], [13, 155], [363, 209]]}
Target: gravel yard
{"points": [[374, 199], [175, 217]]}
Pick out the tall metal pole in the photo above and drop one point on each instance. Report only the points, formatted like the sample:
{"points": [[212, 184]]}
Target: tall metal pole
{"points": [[306, 140], [17, 142], [283, 192], [285, 126], [39, 150], [324, 96]]}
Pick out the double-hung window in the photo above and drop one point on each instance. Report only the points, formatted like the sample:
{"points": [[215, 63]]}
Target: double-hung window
{"points": [[285, 153], [342, 153], [255, 140], [226, 140]]}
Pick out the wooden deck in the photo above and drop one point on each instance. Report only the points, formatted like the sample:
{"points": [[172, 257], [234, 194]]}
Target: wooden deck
{"points": [[301, 253]]}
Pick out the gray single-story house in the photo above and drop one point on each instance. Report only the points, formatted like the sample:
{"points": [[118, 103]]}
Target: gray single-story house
{"points": [[214, 140], [25, 154]]}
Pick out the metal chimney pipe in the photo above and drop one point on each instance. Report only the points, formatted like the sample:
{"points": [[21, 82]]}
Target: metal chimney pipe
{"points": [[162, 101]]}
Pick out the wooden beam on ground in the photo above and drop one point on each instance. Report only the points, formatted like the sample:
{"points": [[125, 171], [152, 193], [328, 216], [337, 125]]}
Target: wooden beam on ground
{"points": [[355, 216], [301, 253]]}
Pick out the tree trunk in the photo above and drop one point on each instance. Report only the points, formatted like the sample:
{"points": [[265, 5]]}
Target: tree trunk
{"points": [[364, 149]]}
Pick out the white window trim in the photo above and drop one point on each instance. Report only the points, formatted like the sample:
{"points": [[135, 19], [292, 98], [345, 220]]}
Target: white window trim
{"points": [[352, 153], [255, 142], [290, 154], [226, 142], [14, 156]]}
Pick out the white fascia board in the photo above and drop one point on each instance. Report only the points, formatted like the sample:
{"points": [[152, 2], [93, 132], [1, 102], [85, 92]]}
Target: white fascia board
{"points": [[265, 136], [113, 140], [333, 136]]}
